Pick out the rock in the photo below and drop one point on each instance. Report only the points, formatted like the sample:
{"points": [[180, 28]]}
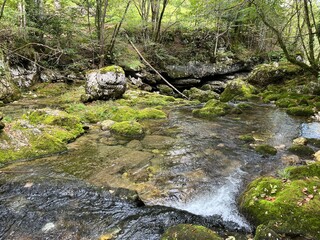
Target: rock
{"points": [[212, 109], [290, 160], [186, 82], [8, 90], [165, 90], [287, 207], [24, 77], [128, 129], [301, 150], [266, 74], [247, 138], [217, 86], [265, 149], [265, 233], [105, 83], [317, 156], [157, 142], [304, 111], [237, 90], [201, 95], [300, 141], [189, 232], [135, 144], [198, 70], [106, 124], [48, 75]]}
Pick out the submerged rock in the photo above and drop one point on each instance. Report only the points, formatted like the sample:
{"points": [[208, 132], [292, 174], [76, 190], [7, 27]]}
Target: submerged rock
{"points": [[212, 109], [265, 149], [190, 232], [105, 83]]}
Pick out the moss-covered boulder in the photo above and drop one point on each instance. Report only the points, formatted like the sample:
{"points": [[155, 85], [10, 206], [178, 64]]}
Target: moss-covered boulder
{"points": [[237, 90], [266, 74], [304, 111], [265, 233], [39, 133], [212, 109], [247, 138], [287, 207], [201, 95], [189, 232], [266, 149], [128, 129], [301, 150]]}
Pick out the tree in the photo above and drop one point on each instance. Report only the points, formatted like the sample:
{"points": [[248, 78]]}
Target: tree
{"points": [[296, 28]]}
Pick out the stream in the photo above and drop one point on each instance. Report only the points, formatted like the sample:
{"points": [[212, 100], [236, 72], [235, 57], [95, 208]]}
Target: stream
{"points": [[186, 170]]}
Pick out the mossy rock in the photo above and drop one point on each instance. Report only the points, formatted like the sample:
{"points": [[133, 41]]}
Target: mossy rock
{"points": [[314, 142], [288, 207], [128, 129], [305, 111], [201, 95], [286, 103], [265, 149], [265, 233], [189, 232], [302, 172], [237, 90], [151, 113], [266, 74], [301, 150], [247, 138], [112, 68], [212, 109], [41, 132]]}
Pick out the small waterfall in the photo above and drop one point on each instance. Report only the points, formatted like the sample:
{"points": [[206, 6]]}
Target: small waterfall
{"points": [[220, 201]]}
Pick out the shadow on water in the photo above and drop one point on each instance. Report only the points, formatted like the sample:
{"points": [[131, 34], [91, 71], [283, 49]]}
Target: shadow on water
{"points": [[194, 165]]}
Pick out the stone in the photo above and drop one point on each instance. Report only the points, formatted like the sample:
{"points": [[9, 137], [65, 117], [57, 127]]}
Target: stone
{"points": [[106, 124], [265, 233], [237, 90], [105, 83], [317, 156], [157, 142], [290, 160], [201, 95], [300, 141]]}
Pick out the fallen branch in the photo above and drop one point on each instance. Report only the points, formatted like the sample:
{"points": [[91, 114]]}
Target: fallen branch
{"points": [[169, 84]]}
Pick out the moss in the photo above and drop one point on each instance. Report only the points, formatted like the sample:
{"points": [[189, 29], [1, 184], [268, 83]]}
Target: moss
{"points": [[301, 150], [201, 95], [130, 129], [314, 142], [265, 233], [265, 149], [189, 232], [300, 111], [237, 90], [286, 103], [151, 113], [112, 68], [301, 172], [286, 207], [247, 138], [212, 109], [50, 89]]}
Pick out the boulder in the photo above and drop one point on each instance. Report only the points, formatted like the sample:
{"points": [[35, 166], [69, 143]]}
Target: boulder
{"points": [[201, 95], [105, 83], [8, 90], [24, 77], [237, 90]]}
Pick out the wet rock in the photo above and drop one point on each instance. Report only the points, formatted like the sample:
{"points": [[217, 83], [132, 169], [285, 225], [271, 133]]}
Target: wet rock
{"points": [[265, 233], [128, 129], [201, 95], [213, 109], [217, 86], [290, 160], [135, 144], [304, 111], [317, 156], [265, 149], [157, 142], [165, 90], [301, 150], [300, 141], [237, 90], [247, 138], [104, 84], [186, 82], [189, 232]]}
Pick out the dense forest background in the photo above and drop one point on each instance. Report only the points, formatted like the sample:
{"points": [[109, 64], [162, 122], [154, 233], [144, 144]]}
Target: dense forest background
{"points": [[82, 34]]}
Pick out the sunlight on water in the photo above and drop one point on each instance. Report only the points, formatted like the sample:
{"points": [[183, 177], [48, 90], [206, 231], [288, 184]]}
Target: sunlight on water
{"points": [[220, 201]]}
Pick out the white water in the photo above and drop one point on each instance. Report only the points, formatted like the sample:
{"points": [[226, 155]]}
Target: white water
{"points": [[219, 201]]}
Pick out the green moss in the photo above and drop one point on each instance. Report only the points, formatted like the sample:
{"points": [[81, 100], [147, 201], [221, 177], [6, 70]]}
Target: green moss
{"points": [[265, 149], [314, 142], [301, 150], [237, 90], [286, 207], [151, 113], [300, 111], [286, 102], [212, 109], [301, 172], [112, 68], [189, 232], [130, 129], [201, 95], [265, 233], [247, 138], [123, 113], [50, 89]]}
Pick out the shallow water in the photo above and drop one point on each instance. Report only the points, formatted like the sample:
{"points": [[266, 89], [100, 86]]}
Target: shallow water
{"points": [[184, 163]]}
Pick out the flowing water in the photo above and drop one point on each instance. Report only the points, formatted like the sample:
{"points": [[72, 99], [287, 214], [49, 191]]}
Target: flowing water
{"points": [[186, 170]]}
